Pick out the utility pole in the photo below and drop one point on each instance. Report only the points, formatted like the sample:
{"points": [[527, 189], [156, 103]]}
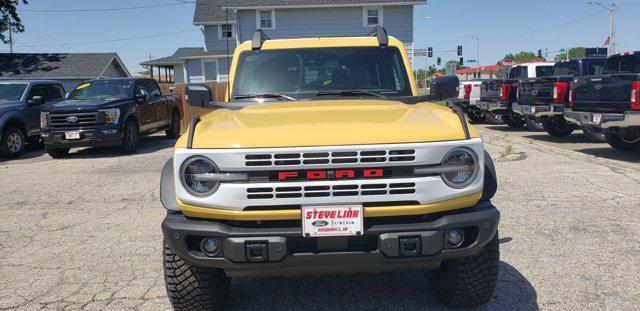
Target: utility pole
{"points": [[10, 38], [612, 29]]}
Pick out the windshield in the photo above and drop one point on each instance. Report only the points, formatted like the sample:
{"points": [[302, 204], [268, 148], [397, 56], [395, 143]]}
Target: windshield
{"points": [[623, 64], [103, 89], [301, 73], [12, 91]]}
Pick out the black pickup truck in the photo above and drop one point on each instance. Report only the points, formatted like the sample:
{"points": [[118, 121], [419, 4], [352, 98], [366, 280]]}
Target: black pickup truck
{"points": [[109, 112], [610, 101], [544, 99], [498, 95]]}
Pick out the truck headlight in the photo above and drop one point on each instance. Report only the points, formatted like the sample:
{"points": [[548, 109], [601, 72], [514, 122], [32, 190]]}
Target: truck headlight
{"points": [[191, 168], [467, 159], [111, 116], [43, 119]]}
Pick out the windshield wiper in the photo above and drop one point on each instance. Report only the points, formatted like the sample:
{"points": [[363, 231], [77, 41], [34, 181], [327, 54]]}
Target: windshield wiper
{"points": [[267, 95], [349, 93]]}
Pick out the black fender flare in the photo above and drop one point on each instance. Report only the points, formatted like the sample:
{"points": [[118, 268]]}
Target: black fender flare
{"points": [[490, 179], [167, 188], [12, 115]]}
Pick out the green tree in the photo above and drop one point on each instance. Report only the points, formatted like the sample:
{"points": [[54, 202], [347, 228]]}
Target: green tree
{"points": [[576, 52], [522, 56], [9, 18]]}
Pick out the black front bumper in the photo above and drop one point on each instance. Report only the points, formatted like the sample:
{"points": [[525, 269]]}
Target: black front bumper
{"points": [[104, 136], [284, 252]]}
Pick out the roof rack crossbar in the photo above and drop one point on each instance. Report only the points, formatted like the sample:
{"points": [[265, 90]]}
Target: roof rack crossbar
{"points": [[259, 37], [381, 34]]}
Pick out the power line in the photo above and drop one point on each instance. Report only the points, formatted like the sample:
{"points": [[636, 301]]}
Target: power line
{"points": [[103, 9], [546, 28], [112, 40]]}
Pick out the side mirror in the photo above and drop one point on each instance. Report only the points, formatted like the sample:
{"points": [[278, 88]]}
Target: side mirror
{"points": [[142, 97], [36, 100], [445, 87]]}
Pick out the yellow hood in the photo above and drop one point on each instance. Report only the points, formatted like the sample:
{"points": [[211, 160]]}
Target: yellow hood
{"points": [[326, 123]]}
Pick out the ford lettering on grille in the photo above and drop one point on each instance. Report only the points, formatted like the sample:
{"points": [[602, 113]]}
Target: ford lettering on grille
{"points": [[337, 174]]}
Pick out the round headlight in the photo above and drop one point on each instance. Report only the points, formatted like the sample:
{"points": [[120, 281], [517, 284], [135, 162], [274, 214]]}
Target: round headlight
{"points": [[467, 160], [193, 167]]}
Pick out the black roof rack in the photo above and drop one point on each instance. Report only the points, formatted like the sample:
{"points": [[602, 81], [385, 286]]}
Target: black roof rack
{"points": [[381, 33], [259, 37]]}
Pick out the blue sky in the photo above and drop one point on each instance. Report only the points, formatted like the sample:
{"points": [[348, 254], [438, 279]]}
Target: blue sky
{"points": [[503, 26]]}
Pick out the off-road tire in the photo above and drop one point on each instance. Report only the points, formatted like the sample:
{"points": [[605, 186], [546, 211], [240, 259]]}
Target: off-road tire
{"points": [[593, 135], [12, 142], [622, 143], [514, 122], [492, 118], [468, 282], [558, 127], [57, 153], [173, 131], [131, 137], [476, 116], [191, 287]]}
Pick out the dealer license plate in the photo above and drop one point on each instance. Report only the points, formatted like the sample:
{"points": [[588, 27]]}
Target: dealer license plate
{"points": [[328, 221], [72, 135], [597, 118]]}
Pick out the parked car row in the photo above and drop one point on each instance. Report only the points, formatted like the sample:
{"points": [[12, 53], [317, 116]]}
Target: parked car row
{"points": [[103, 112], [600, 95]]}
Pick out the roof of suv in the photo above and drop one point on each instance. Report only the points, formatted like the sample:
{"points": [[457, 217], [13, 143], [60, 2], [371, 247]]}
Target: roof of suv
{"points": [[275, 44]]}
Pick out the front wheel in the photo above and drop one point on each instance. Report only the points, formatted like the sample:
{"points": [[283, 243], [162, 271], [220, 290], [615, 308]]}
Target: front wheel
{"points": [[12, 142], [57, 153], [173, 131], [623, 141], [468, 282], [558, 127], [191, 287], [514, 121], [476, 116], [131, 137]]}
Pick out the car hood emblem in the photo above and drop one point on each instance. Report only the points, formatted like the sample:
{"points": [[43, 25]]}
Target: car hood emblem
{"points": [[534, 92], [72, 119]]}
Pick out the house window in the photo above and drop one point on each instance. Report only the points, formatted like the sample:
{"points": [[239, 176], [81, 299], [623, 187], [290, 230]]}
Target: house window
{"points": [[372, 16], [266, 19], [225, 31]]}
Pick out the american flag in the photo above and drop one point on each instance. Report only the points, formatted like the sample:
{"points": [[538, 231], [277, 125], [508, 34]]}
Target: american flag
{"points": [[606, 42]]}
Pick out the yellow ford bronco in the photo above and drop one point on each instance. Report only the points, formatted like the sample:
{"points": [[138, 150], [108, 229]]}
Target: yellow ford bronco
{"points": [[324, 159]]}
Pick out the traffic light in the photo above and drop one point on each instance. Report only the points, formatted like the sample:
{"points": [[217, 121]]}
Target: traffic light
{"points": [[430, 51], [439, 62], [539, 53], [461, 61], [459, 50]]}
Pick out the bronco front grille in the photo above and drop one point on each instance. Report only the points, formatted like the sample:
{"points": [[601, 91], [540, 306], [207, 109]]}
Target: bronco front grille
{"points": [[337, 157], [319, 191], [73, 119]]}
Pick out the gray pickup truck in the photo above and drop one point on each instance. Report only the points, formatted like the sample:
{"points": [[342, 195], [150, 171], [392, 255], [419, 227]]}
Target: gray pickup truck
{"points": [[21, 102]]}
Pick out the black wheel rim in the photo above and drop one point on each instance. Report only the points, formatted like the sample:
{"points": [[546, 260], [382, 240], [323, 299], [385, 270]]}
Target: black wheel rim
{"points": [[14, 142], [133, 136]]}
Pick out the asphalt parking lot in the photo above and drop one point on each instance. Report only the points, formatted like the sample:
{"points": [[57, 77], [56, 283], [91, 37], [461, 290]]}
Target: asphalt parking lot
{"points": [[84, 233]]}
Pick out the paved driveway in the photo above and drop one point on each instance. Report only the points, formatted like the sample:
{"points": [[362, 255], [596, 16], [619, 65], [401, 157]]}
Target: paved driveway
{"points": [[84, 233]]}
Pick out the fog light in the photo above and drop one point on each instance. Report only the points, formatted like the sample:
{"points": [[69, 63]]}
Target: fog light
{"points": [[211, 246], [455, 237]]}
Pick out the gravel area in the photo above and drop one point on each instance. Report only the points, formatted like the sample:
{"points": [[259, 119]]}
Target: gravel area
{"points": [[84, 233]]}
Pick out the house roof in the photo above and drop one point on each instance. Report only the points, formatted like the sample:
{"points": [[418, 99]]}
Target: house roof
{"points": [[56, 65], [213, 11], [178, 56]]}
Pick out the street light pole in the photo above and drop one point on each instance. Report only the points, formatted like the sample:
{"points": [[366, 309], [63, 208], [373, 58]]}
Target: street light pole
{"points": [[612, 30], [426, 58], [478, 55]]}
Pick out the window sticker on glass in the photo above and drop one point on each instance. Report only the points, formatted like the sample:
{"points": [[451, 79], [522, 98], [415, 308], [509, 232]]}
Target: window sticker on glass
{"points": [[82, 86]]}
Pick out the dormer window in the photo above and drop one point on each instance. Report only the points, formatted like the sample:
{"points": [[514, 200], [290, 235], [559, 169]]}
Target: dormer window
{"points": [[225, 31], [266, 19], [372, 16]]}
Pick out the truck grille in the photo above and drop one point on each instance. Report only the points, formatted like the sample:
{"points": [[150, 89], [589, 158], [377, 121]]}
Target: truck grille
{"points": [[338, 157], [73, 119], [317, 191]]}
